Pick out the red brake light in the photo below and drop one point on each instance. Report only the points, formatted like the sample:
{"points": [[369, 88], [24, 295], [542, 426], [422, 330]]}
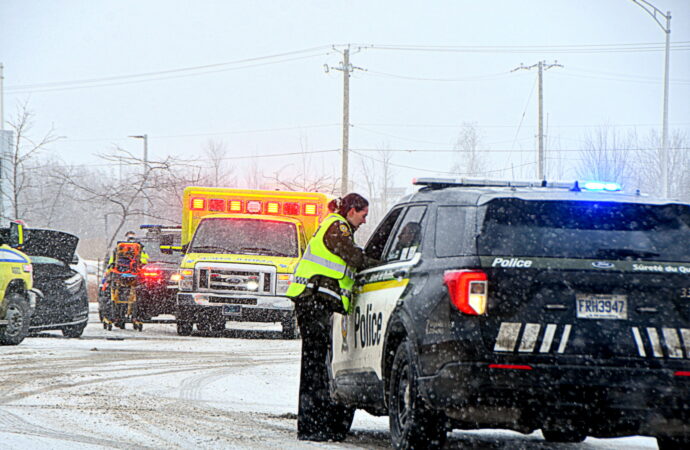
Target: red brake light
{"points": [[309, 209], [682, 373], [151, 272], [197, 204], [291, 209], [216, 204], [254, 207], [272, 208], [468, 290], [235, 206]]}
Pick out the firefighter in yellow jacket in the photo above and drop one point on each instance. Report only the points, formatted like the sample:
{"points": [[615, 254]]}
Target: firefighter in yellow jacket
{"points": [[323, 284]]}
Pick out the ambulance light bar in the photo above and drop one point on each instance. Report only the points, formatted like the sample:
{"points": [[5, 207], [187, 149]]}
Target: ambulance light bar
{"points": [[253, 207], [439, 183]]}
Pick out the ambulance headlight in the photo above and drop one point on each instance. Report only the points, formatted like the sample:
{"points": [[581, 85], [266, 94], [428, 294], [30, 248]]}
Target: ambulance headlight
{"points": [[252, 285]]}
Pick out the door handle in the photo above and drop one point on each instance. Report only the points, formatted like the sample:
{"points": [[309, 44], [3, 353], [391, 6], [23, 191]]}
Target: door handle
{"points": [[399, 273]]}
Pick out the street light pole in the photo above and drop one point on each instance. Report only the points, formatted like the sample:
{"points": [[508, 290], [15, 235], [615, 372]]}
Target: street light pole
{"points": [[145, 137], [654, 11]]}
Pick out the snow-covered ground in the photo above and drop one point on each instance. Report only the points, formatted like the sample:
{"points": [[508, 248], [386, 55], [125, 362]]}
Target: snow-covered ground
{"points": [[155, 389]]}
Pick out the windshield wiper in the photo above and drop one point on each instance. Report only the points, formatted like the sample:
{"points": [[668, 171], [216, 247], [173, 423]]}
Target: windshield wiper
{"points": [[625, 253], [262, 251], [210, 248]]}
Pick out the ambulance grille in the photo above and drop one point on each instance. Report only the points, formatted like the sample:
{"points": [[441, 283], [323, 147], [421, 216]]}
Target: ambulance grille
{"points": [[224, 280]]}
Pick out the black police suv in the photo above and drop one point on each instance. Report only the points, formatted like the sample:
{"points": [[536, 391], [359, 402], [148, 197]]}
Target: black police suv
{"points": [[563, 307], [61, 301]]}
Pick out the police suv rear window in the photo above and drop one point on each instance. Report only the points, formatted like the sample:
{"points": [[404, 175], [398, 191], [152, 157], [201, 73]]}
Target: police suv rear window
{"points": [[589, 230]]}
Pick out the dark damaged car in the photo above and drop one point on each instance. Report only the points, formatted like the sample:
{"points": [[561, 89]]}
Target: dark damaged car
{"points": [[61, 296]]}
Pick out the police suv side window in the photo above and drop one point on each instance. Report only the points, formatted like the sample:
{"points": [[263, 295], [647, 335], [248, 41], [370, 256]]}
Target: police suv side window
{"points": [[453, 236], [408, 236], [377, 241]]}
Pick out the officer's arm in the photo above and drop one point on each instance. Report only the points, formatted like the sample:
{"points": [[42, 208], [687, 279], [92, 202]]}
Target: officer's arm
{"points": [[338, 239]]}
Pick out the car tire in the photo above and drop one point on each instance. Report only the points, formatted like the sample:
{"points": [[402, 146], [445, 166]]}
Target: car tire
{"points": [[290, 327], [18, 316], [412, 425], [73, 331], [563, 435], [673, 443], [184, 328], [217, 326]]}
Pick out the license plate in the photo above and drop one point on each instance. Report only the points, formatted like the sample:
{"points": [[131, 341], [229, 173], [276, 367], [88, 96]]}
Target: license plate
{"points": [[592, 306], [232, 310]]}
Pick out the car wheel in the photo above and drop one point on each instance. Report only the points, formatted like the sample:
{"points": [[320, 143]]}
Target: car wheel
{"points": [[673, 443], [290, 328], [412, 425], [184, 328], [563, 435], [74, 331], [18, 316], [217, 326]]}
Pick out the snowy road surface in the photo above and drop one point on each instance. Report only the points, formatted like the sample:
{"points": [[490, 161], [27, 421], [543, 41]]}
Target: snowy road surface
{"points": [[155, 389]]}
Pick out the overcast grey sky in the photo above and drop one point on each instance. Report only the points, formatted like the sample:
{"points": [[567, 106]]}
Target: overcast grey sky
{"points": [[187, 72]]}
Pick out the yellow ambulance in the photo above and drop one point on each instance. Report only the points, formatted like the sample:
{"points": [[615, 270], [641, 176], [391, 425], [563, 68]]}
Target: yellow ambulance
{"points": [[240, 249]]}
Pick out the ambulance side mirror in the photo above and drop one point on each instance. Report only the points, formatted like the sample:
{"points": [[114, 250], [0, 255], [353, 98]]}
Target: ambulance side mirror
{"points": [[16, 235]]}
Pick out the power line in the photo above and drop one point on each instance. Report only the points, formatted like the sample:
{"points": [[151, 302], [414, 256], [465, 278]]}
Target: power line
{"points": [[580, 48], [144, 80]]}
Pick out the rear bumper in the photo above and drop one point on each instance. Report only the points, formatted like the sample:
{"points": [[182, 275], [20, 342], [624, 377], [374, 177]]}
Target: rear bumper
{"points": [[644, 401], [193, 306]]}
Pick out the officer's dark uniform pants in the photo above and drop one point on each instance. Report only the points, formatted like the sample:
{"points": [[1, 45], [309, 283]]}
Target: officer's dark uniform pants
{"points": [[319, 418]]}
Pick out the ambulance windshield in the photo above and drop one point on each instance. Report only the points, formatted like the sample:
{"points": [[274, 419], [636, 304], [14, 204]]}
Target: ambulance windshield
{"points": [[246, 237]]}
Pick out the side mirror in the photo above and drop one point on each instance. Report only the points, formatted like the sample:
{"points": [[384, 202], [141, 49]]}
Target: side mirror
{"points": [[169, 249], [16, 235]]}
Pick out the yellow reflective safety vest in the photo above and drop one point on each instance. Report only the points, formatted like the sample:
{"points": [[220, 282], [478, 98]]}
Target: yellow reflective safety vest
{"points": [[319, 260]]}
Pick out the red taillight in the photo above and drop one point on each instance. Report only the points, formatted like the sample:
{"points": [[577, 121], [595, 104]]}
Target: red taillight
{"points": [[151, 273], [291, 209], [254, 207], [510, 366], [235, 206], [272, 208], [468, 290], [197, 204], [682, 373], [310, 209], [216, 204]]}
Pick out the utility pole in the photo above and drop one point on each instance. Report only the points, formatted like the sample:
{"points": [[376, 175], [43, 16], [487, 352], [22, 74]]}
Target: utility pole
{"points": [[654, 11], [346, 68], [145, 137], [541, 67]]}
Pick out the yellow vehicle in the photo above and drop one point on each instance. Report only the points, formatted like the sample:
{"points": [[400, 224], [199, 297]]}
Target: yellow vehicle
{"points": [[241, 247], [17, 300]]}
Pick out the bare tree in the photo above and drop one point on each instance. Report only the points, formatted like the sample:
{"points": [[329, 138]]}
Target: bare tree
{"points": [[24, 149], [607, 156], [253, 177], [126, 198], [378, 175], [219, 174], [303, 176], [469, 157], [649, 159]]}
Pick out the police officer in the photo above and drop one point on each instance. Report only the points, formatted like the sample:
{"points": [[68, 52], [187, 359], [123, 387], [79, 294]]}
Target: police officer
{"points": [[322, 285]]}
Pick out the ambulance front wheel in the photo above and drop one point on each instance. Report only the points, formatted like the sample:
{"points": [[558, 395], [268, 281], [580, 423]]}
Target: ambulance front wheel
{"points": [[290, 328], [184, 328]]}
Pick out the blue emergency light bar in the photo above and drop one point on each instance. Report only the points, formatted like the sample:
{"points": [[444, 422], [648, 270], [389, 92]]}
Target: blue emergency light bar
{"points": [[438, 183]]}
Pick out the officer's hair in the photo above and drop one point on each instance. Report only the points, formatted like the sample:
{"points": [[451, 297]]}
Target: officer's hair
{"points": [[344, 204]]}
